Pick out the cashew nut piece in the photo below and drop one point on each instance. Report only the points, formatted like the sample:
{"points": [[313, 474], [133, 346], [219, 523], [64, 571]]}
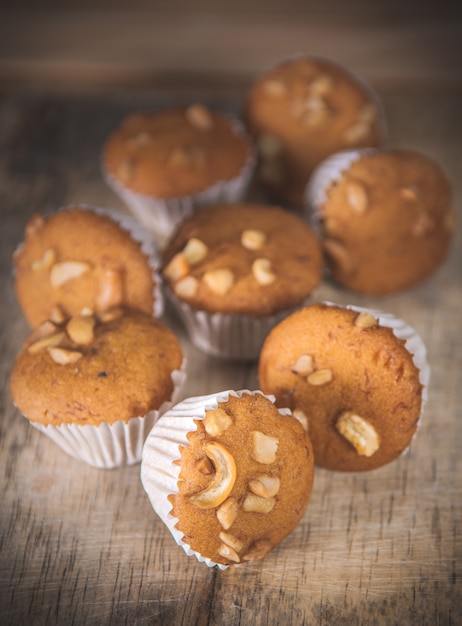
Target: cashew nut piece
{"points": [[222, 484]]}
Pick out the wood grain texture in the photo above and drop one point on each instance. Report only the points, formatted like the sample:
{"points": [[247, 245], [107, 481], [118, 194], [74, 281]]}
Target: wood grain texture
{"points": [[82, 546]]}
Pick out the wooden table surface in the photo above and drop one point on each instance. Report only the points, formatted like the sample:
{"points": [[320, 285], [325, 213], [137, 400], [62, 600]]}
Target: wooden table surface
{"points": [[82, 546]]}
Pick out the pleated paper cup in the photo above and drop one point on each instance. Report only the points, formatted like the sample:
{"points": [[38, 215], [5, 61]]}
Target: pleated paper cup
{"points": [[229, 336], [326, 173]]}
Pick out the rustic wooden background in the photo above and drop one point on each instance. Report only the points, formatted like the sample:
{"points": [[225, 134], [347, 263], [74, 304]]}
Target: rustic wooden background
{"points": [[82, 546]]}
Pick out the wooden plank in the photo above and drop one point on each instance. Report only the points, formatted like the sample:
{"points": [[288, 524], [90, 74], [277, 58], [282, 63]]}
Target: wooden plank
{"points": [[83, 546], [98, 48]]}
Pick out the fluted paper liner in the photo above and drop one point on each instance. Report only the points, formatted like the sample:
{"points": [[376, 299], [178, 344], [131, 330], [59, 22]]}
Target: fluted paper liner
{"points": [[159, 473], [326, 173], [233, 336], [107, 446], [162, 216]]}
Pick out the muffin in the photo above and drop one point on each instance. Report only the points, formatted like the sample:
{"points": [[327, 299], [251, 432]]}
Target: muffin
{"points": [[356, 378], [166, 163], [229, 474], [384, 215], [96, 383], [234, 270], [85, 257], [301, 111]]}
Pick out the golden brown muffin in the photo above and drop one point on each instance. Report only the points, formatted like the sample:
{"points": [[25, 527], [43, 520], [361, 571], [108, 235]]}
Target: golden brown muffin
{"points": [[93, 369], [243, 258], [231, 269], [84, 258], [175, 152], [234, 472], [385, 217], [350, 377], [303, 110]]}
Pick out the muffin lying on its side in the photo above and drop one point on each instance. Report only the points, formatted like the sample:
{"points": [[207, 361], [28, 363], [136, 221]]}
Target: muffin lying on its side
{"points": [[385, 217], [229, 474]]}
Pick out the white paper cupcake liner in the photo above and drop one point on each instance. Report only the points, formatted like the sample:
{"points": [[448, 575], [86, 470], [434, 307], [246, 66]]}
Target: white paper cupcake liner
{"points": [[159, 473], [107, 446], [326, 173], [413, 343], [138, 234], [161, 217], [232, 336]]}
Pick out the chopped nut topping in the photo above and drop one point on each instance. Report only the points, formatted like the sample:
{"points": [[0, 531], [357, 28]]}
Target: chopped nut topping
{"points": [[57, 315], [231, 541], [111, 290], [204, 465], [257, 550], [67, 270], [320, 377], [359, 432], [227, 512], [223, 480], [228, 553], [269, 146], [274, 87], [216, 422], [357, 196], [304, 365], [316, 117], [365, 320], [265, 486], [46, 341], [356, 132], [42, 330], [253, 239], [408, 192], [194, 251], [46, 261], [264, 447], [257, 504], [64, 356], [110, 314], [177, 268], [80, 329], [220, 281], [199, 117], [262, 271], [321, 85], [186, 287], [125, 170], [302, 418]]}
